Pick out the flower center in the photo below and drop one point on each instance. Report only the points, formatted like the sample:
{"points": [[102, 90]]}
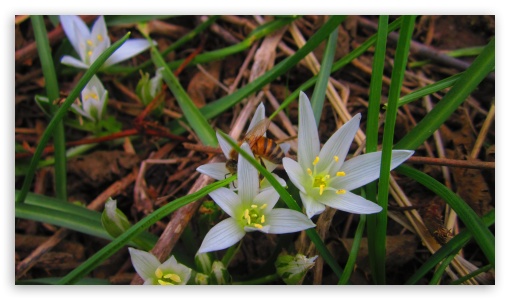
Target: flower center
{"points": [[254, 216], [167, 279], [320, 180], [91, 95]]}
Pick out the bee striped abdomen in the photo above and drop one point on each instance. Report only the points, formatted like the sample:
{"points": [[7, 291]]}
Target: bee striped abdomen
{"points": [[268, 149]]}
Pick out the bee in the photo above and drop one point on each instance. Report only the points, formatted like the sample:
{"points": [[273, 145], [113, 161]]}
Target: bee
{"points": [[261, 146]]}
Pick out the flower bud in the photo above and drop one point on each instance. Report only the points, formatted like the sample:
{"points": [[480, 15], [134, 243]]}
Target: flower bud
{"points": [[219, 274], [113, 219], [148, 88], [292, 269]]}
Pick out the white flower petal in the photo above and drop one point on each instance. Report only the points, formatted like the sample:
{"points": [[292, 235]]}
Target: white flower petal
{"points": [[227, 200], [270, 166], [312, 207], [267, 196], [70, 24], [283, 220], [259, 115], [338, 145], [308, 137], [264, 184], [99, 33], [172, 266], [225, 146], [73, 62], [217, 171], [247, 177], [80, 110], [264, 229], [285, 147], [349, 202], [129, 49], [144, 263], [223, 235], [366, 168], [295, 173]]}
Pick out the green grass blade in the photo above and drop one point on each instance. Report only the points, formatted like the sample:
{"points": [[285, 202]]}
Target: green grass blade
{"points": [[351, 261], [453, 246], [319, 93], [107, 251], [483, 237], [429, 89], [438, 274], [372, 133], [290, 202], [469, 80], [52, 91], [195, 118], [397, 77], [471, 275], [57, 118]]}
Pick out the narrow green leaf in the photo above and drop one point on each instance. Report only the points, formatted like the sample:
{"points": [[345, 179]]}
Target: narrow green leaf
{"points": [[290, 202], [372, 133], [195, 118], [483, 237], [319, 93], [397, 77], [471, 275], [110, 249], [52, 91], [469, 80], [57, 118]]}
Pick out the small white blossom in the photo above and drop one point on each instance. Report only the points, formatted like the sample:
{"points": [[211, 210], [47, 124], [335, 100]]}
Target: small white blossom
{"points": [[155, 273], [251, 209], [89, 44], [322, 176], [93, 100]]}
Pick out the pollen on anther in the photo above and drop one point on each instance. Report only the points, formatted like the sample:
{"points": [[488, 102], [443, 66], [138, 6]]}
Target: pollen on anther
{"points": [[89, 53], [99, 37], [321, 189], [173, 277], [257, 226], [253, 206], [159, 273], [316, 160], [262, 219], [308, 171], [89, 42], [341, 192], [263, 206], [336, 158], [340, 173]]}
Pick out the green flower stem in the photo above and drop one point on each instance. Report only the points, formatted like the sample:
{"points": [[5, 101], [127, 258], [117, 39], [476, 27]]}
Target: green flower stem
{"points": [[351, 261], [57, 118], [438, 274], [52, 91], [483, 237], [372, 133], [290, 202], [469, 80], [94, 261], [397, 77]]}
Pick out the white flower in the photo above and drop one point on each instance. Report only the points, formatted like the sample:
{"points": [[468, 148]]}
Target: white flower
{"points": [[322, 176], [250, 210], [93, 100], [219, 171], [89, 44], [153, 272]]}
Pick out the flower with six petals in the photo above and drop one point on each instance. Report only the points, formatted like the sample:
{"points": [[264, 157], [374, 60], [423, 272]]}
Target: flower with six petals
{"points": [[322, 176], [251, 209]]}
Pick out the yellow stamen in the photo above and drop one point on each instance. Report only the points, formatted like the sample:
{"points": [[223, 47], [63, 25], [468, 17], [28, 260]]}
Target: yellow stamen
{"points": [[263, 206], [321, 189], [173, 277], [90, 43], [257, 226], [253, 206], [99, 37], [316, 160], [309, 171], [263, 219], [340, 173], [336, 158], [159, 273], [164, 282], [326, 177], [341, 192], [89, 53], [253, 215]]}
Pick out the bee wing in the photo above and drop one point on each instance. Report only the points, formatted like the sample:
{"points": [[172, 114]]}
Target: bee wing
{"points": [[257, 131]]}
